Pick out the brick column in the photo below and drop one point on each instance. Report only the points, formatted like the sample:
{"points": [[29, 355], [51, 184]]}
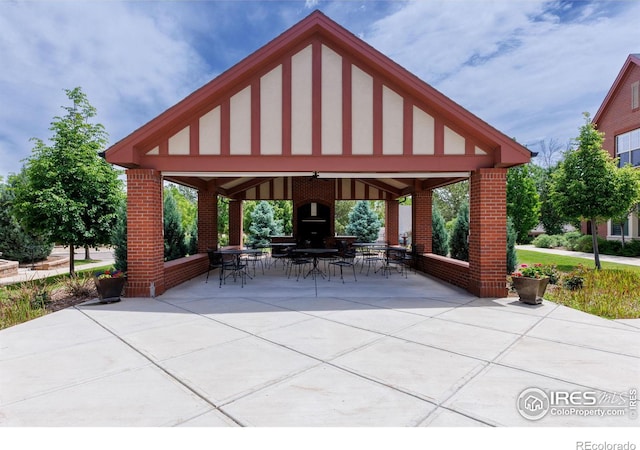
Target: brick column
{"points": [[145, 241], [207, 220], [488, 233], [235, 222], [391, 217], [421, 219]]}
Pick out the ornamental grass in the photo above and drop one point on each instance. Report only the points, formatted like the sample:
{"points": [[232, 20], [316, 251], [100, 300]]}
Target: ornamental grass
{"points": [[609, 293]]}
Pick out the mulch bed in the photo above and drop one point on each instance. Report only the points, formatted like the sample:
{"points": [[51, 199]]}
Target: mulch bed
{"points": [[60, 299]]}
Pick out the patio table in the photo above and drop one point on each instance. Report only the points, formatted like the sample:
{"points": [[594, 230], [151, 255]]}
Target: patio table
{"points": [[315, 253]]}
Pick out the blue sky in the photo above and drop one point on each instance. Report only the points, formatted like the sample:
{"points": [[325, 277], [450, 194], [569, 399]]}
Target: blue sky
{"points": [[527, 67]]}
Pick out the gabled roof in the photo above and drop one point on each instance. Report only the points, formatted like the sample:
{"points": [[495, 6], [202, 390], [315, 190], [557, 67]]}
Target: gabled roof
{"points": [[477, 144], [632, 60]]}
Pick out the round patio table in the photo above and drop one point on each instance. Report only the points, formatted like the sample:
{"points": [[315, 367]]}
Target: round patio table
{"points": [[315, 253]]}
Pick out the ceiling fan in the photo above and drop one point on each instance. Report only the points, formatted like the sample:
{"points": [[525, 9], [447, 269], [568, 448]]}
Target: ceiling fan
{"points": [[316, 176]]}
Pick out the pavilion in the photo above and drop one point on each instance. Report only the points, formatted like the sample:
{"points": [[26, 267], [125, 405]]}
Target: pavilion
{"points": [[317, 115]]}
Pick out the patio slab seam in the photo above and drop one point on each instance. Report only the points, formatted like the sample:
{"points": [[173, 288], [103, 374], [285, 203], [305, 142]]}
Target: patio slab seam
{"points": [[329, 362], [151, 362]]}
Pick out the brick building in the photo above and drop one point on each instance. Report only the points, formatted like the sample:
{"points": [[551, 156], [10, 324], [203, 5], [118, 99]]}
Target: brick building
{"points": [[317, 115], [619, 119]]}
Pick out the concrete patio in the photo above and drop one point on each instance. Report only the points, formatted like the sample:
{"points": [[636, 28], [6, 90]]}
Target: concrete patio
{"points": [[376, 352]]}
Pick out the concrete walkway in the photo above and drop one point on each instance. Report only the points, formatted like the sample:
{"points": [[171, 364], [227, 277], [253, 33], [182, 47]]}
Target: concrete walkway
{"points": [[377, 352], [104, 257], [611, 258]]}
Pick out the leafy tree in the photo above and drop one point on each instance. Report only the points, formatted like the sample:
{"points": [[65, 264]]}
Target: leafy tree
{"points": [[342, 210], [174, 237], [449, 199], [247, 209], [263, 225], [119, 239], [512, 257], [223, 220], [552, 220], [363, 223], [16, 243], [283, 215], [68, 190], [588, 185], [186, 202], [459, 239], [440, 237], [523, 201], [192, 239]]}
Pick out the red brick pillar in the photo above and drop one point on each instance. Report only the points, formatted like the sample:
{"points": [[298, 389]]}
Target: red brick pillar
{"points": [[421, 220], [235, 222], [488, 233], [391, 217], [145, 242], [207, 220]]}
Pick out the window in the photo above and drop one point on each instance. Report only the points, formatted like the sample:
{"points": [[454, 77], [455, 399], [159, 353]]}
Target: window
{"points": [[635, 95], [628, 148], [616, 228]]}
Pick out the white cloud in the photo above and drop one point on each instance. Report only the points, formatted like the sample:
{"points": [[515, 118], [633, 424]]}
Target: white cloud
{"points": [[527, 67], [130, 65], [516, 64]]}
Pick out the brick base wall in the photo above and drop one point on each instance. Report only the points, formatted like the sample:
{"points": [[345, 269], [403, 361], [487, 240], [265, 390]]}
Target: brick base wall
{"points": [[447, 269], [183, 269]]}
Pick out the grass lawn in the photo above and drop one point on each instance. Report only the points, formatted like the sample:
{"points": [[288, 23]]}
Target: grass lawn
{"points": [[567, 263], [80, 262]]}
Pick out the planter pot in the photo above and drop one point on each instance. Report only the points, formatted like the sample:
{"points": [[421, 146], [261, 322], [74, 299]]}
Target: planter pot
{"points": [[530, 290], [109, 289]]}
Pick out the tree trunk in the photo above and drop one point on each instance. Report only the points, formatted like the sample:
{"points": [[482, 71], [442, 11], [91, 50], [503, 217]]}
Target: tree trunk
{"points": [[622, 228], [72, 268], [87, 256], [594, 239]]}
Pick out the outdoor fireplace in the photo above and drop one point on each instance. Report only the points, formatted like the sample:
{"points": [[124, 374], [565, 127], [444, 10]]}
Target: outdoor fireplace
{"points": [[314, 224]]}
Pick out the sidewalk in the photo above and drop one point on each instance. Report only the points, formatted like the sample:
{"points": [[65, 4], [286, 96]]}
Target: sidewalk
{"points": [[609, 258], [103, 256]]}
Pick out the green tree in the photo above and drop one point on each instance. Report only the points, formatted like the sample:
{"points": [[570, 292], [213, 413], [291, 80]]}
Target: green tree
{"points": [[342, 210], [68, 190], [283, 215], [263, 225], [440, 237], [16, 243], [449, 199], [247, 209], [512, 256], [588, 184], [552, 220], [523, 201], [186, 202], [459, 239], [174, 236], [223, 220], [363, 223]]}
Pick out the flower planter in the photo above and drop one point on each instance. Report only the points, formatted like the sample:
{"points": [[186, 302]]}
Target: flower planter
{"points": [[530, 290], [109, 289]]}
